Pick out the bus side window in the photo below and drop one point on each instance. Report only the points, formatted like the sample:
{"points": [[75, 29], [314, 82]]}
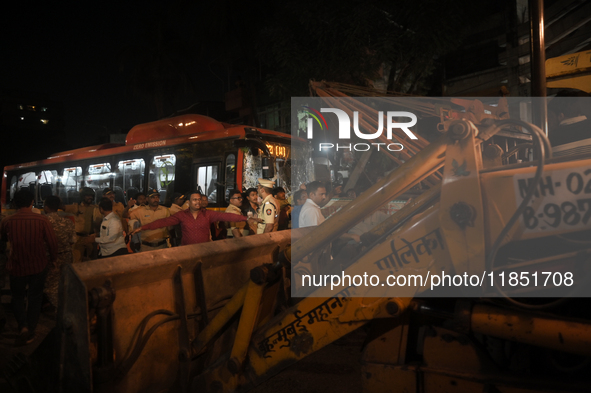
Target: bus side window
{"points": [[71, 181], [98, 177], [13, 188], [162, 171], [207, 181], [29, 181], [47, 184], [129, 179]]}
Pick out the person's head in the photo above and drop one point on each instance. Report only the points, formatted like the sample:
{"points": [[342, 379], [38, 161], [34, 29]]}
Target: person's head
{"points": [[299, 197], [87, 195], [109, 193], [195, 201], [316, 192], [23, 198], [204, 201], [51, 204], [141, 199], [178, 199], [252, 196], [279, 193], [153, 198], [265, 187], [105, 206], [236, 198]]}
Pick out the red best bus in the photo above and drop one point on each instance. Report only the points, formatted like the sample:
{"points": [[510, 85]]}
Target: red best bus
{"points": [[178, 154]]}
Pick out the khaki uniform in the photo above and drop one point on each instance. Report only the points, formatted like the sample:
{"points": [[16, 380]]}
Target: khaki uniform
{"points": [[239, 225], [155, 239], [118, 209], [269, 213], [87, 220], [174, 208], [283, 213]]}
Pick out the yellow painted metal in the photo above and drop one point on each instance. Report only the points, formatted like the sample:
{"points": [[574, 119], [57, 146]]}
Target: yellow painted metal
{"points": [[393, 378], [299, 331], [452, 362], [315, 322], [575, 82], [561, 335], [499, 196], [310, 325], [408, 210], [144, 283], [440, 342], [460, 213], [248, 317], [387, 378], [570, 71], [221, 318], [383, 191], [389, 344]]}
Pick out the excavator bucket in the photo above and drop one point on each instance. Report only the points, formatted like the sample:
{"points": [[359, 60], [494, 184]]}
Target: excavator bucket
{"points": [[125, 323]]}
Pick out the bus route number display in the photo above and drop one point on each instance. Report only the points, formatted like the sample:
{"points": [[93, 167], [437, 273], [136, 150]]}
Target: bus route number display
{"points": [[278, 151], [561, 202]]}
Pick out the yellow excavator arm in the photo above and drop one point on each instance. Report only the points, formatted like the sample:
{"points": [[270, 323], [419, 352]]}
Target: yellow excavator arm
{"points": [[218, 317]]}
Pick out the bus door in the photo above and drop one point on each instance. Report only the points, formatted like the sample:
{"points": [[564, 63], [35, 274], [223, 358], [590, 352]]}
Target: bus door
{"points": [[206, 179]]}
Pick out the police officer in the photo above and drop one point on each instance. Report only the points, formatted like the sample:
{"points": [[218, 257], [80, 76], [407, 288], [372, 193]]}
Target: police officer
{"points": [[155, 239], [87, 219], [117, 206], [269, 208]]}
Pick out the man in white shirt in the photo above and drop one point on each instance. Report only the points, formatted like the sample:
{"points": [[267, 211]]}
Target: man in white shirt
{"points": [[310, 215], [111, 241]]}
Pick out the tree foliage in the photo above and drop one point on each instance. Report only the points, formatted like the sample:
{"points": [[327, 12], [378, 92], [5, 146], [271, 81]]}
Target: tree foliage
{"points": [[353, 41]]}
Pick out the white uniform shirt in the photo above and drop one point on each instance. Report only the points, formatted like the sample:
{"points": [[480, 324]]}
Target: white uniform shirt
{"points": [[111, 238], [268, 213], [310, 215]]}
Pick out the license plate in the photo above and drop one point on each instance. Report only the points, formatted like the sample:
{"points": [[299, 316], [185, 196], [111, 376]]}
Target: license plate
{"points": [[562, 201]]}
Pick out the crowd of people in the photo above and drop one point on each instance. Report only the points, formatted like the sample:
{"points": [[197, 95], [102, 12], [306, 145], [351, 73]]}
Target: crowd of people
{"points": [[37, 245]]}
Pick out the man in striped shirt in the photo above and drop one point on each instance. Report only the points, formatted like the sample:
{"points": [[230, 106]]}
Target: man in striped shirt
{"points": [[33, 247], [195, 221]]}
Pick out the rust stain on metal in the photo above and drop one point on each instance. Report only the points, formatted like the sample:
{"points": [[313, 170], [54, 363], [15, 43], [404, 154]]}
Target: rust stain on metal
{"points": [[302, 344]]}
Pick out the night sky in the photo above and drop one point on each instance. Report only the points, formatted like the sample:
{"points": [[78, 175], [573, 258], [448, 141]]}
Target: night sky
{"points": [[72, 55]]}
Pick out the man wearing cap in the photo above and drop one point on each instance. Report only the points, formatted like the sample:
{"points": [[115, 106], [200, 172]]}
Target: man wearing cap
{"points": [[155, 239], [117, 206], [269, 208], [194, 221], [87, 220]]}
